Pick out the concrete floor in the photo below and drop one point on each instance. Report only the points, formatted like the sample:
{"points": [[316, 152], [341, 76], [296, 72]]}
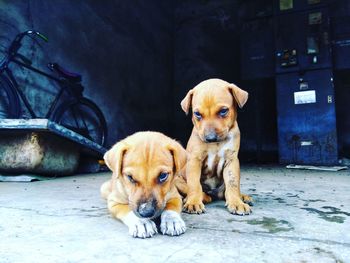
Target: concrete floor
{"points": [[299, 216]]}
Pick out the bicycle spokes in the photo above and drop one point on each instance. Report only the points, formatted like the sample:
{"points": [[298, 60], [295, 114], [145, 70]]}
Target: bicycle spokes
{"points": [[82, 119]]}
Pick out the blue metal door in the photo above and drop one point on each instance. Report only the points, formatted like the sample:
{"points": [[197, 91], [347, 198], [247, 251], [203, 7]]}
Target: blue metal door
{"points": [[305, 92], [306, 118]]}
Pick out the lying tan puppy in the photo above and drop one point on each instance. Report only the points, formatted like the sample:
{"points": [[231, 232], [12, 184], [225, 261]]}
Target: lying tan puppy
{"points": [[142, 188], [213, 163]]}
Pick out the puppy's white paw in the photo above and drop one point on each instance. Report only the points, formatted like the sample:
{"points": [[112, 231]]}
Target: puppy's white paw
{"points": [[140, 227], [172, 223]]}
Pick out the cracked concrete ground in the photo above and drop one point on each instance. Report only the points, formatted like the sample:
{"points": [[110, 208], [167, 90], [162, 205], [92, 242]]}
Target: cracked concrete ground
{"points": [[299, 216]]}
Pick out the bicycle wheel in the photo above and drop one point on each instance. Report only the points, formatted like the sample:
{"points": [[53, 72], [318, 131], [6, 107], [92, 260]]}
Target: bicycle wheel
{"points": [[84, 117], [9, 101]]}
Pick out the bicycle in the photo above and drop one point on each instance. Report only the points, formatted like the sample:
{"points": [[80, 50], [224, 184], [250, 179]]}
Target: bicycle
{"points": [[73, 111]]}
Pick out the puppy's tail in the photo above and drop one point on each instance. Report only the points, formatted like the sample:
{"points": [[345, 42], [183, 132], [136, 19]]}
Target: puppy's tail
{"points": [[106, 189]]}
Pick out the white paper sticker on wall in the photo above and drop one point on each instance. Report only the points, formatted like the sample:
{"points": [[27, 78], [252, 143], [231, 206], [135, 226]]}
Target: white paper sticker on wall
{"points": [[304, 97]]}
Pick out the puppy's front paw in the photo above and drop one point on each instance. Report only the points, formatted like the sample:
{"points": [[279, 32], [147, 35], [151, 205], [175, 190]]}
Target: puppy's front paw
{"points": [[238, 207], [172, 223], [140, 227], [194, 205]]}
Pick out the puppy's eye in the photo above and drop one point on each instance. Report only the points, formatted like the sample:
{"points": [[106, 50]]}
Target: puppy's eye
{"points": [[223, 112], [131, 179], [197, 115], [163, 177]]}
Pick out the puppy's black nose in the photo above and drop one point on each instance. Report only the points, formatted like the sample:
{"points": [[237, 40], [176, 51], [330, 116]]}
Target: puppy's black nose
{"points": [[211, 137], [146, 209]]}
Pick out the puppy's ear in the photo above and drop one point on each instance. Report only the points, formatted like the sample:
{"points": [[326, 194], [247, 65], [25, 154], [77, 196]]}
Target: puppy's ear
{"points": [[114, 157], [179, 156], [241, 96], [186, 103]]}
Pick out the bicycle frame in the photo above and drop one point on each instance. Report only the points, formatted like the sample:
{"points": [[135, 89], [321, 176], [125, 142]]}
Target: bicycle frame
{"points": [[10, 57], [22, 95]]}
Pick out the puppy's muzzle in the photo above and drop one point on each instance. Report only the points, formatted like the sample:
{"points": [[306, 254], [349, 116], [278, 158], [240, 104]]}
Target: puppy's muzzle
{"points": [[147, 209], [211, 137]]}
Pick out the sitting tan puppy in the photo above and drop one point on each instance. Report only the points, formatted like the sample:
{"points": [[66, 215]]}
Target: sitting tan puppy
{"points": [[142, 188], [213, 163]]}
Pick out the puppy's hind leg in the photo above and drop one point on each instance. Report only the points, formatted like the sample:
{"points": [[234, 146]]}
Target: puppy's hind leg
{"points": [[206, 198], [247, 199], [106, 189], [182, 187]]}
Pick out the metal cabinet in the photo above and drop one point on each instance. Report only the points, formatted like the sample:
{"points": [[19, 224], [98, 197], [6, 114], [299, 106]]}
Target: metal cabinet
{"points": [[302, 41], [306, 118], [300, 46]]}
